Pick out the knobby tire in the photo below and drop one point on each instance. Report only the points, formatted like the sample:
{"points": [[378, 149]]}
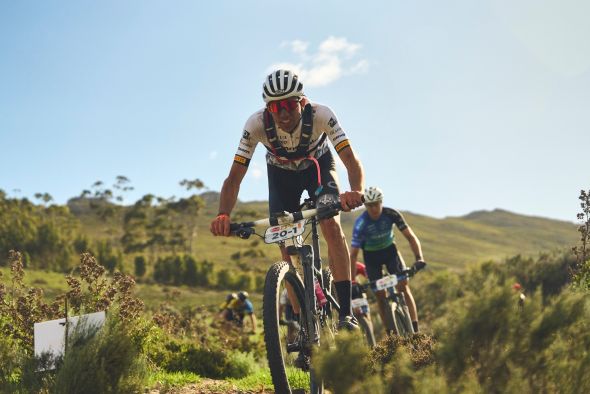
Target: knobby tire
{"points": [[270, 311], [367, 328]]}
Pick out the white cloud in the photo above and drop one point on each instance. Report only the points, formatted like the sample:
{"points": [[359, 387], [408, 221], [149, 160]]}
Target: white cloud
{"points": [[334, 59], [255, 170], [297, 46], [213, 155], [337, 45]]}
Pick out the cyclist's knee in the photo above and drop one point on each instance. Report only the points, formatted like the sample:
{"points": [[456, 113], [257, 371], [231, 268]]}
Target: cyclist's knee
{"points": [[331, 228], [403, 286]]}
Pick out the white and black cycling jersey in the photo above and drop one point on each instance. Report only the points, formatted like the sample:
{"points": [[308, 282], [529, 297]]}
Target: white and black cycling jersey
{"points": [[324, 122]]}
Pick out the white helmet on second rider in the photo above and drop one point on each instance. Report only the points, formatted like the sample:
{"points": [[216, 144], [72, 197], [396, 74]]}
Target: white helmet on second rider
{"points": [[281, 84], [373, 194]]}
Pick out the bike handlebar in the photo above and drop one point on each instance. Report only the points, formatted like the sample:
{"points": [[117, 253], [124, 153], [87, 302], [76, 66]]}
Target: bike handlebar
{"points": [[405, 274], [245, 229]]}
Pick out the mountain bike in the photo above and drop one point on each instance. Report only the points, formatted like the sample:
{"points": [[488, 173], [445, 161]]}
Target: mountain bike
{"points": [[398, 314], [398, 318], [308, 283]]}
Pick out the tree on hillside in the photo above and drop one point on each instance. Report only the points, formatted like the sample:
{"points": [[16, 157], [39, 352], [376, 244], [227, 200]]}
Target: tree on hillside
{"points": [[582, 251], [162, 224], [45, 198], [102, 198], [189, 208], [45, 235], [135, 237]]}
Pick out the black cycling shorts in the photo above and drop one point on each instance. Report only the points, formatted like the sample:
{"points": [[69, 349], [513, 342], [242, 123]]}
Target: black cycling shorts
{"points": [[375, 260], [286, 186]]}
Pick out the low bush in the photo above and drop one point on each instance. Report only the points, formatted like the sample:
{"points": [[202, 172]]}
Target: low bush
{"points": [[101, 361], [211, 362]]}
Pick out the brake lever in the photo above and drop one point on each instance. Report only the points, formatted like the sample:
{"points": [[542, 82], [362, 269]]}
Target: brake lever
{"points": [[245, 233]]}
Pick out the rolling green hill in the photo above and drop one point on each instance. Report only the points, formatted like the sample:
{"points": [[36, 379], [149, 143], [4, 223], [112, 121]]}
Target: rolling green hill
{"points": [[451, 242]]}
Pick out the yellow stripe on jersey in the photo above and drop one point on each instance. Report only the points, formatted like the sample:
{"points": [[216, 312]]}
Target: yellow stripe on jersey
{"points": [[241, 160], [341, 145]]}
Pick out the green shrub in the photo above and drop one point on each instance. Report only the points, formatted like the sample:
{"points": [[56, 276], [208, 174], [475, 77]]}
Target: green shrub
{"points": [[202, 361], [344, 365], [539, 347], [103, 361], [12, 358], [241, 365]]}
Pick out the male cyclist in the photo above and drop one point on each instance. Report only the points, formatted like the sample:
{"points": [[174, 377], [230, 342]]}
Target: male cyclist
{"points": [[296, 134], [225, 311], [242, 306], [373, 233]]}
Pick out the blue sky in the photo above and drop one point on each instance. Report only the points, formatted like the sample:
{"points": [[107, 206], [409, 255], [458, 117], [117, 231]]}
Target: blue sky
{"points": [[452, 106]]}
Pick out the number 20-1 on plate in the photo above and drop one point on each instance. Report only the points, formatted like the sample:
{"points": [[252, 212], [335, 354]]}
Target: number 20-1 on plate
{"points": [[283, 232]]}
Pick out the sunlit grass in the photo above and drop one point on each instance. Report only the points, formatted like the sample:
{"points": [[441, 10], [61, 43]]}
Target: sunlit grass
{"points": [[262, 380], [165, 380]]}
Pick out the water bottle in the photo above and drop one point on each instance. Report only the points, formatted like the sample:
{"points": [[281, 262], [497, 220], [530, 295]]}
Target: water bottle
{"points": [[319, 294]]}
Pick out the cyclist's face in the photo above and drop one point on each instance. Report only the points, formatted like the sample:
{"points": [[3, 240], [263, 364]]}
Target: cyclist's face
{"points": [[374, 209], [287, 119]]}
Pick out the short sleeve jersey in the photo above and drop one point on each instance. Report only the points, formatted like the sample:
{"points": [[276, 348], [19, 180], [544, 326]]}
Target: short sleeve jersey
{"points": [[240, 306], [371, 235], [324, 122]]}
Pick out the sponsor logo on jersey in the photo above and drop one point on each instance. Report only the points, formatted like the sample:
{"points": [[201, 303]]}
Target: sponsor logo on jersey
{"points": [[244, 150], [342, 145], [246, 135], [332, 122], [241, 160]]}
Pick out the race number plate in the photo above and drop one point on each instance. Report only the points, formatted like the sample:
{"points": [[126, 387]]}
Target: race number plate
{"points": [[359, 302], [283, 232], [386, 282]]}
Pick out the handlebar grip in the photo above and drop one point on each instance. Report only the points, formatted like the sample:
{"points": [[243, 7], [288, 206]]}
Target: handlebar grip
{"points": [[418, 265]]}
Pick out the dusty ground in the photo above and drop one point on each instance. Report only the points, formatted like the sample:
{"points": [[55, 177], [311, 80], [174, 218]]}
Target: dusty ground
{"points": [[210, 386]]}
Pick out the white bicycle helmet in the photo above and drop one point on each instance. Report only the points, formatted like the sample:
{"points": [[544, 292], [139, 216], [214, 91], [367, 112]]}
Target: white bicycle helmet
{"points": [[373, 194], [281, 84]]}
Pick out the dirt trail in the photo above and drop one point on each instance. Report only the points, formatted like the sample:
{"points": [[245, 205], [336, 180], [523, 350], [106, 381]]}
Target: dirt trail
{"points": [[210, 386]]}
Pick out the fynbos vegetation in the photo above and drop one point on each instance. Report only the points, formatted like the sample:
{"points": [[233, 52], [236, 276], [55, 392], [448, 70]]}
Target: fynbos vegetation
{"points": [[582, 251]]}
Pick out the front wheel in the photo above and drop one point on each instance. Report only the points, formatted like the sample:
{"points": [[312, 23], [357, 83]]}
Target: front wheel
{"points": [[367, 327], [401, 318], [281, 360]]}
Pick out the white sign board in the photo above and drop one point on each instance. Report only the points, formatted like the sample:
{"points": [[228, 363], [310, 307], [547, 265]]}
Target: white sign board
{"points": [[49, 336]]}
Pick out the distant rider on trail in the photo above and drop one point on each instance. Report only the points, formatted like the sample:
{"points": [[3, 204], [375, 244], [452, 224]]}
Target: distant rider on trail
{"points": [[373, 233]]}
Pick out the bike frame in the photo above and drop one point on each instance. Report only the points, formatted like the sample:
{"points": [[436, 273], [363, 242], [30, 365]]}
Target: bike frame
{"points": [[311, 265]]}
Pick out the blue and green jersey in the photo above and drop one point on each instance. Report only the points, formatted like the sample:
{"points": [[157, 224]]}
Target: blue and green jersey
{"points": [[371, 235]]}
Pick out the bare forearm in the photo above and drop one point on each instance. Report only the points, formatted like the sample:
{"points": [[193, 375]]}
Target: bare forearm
{"points": [[416, 248], [229, 196], [356, 176], [354, 168]]}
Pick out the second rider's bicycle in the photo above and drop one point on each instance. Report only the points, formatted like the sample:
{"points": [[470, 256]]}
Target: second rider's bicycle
{"points": [[397, 313], [308, 284]]}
